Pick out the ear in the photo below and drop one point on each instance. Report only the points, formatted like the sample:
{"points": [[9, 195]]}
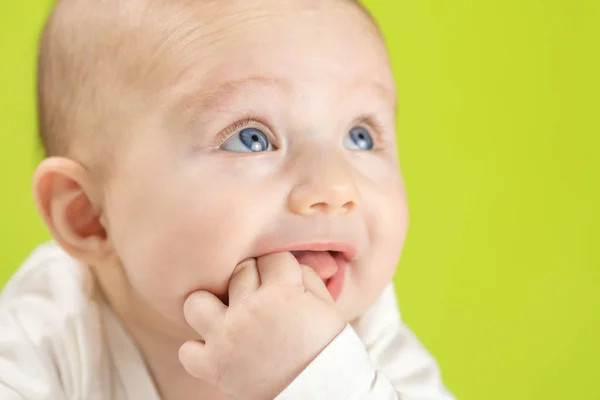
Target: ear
{"points": [[69, 202]]}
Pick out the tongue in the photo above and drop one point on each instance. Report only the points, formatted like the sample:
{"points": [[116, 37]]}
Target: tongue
{"points": [[321, 261]]}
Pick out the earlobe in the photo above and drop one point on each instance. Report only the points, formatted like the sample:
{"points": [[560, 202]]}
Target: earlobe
{"points": [[67, 199]]}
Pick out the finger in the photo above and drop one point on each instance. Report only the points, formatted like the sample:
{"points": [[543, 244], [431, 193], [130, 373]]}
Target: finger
{"points": [[195, 358], [314, 284], [279, 268], [244, 281], [203, 311]]}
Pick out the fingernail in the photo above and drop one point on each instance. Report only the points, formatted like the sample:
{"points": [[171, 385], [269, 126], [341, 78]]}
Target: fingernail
{"points": [[247, 262]]}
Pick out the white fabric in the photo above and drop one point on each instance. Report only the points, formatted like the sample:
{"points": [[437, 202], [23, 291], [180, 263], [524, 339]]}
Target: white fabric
{"points": [[58, 342]]}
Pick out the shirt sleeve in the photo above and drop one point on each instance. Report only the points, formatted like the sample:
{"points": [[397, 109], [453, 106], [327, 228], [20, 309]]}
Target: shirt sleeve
{"points": [[375, 358]]}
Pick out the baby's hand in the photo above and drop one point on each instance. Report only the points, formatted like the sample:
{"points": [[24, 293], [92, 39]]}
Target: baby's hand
{"points": [[280, 317]]}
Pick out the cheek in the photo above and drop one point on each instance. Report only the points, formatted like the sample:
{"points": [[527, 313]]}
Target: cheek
{"points": [[183, 237], [384, 204], [164, 246], [392, 214], [386, 214]]}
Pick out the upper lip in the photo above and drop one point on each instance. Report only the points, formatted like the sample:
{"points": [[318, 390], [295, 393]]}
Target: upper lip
{"points": [[347, 250]]}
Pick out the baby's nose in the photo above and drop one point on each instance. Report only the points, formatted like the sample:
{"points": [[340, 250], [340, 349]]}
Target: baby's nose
{"points": [[307, 199], [327, 189]]}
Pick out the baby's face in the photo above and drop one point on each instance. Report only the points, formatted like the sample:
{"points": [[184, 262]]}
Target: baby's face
{"points": [[281, 137]]}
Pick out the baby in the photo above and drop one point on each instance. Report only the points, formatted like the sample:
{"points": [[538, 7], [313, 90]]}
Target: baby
{"points": [[224, 193]]}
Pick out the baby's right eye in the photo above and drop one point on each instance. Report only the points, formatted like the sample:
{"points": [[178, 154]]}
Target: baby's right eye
{"points": [[248, 140]]}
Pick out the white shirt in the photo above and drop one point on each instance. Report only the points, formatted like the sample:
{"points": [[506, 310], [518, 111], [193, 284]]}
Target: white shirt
{"points": [[57, 342]]}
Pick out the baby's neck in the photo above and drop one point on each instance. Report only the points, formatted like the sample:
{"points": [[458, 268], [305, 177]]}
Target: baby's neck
{"points": [[159, 350], [169, 376]]}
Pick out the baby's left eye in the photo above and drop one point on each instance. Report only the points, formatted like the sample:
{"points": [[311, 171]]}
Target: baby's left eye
{"points": [[359, 138]]}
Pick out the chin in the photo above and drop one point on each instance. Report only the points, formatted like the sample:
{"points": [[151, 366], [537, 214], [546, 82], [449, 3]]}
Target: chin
{"points": [[357, 299]]}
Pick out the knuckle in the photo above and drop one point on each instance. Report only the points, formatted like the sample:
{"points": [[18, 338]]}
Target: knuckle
{"points": [[194, 302], [220, 370], [255, 308]]}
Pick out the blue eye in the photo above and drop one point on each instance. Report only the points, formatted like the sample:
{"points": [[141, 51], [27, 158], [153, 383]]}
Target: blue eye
{"points": [[359, 138], [249, 140]]}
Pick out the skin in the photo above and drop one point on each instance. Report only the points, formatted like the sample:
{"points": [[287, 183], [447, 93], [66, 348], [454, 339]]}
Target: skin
{"points": [[180, 214]]}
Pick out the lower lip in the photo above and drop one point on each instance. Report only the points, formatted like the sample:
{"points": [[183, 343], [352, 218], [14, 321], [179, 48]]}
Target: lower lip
{"points": [[336, 283]]}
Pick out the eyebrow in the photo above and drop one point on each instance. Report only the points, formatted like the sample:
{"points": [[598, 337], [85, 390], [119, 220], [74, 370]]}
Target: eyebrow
{"points": [[382, 90], [217, 96], [221, 94]]}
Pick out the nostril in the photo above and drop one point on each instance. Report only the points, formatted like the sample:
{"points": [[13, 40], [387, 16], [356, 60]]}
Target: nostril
{"points": [[349, 206], [325, 207], [322, 206]]}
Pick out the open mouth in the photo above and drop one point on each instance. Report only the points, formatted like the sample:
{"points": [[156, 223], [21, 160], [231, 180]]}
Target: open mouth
{"points": [[330, 266], [324, 263]]}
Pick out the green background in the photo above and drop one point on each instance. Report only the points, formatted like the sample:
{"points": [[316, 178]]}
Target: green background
{"points": [[498, 134]]}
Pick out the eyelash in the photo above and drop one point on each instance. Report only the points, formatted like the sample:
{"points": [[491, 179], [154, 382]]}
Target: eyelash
{"points": [[245, 122], [366, 121], [224, 135]]}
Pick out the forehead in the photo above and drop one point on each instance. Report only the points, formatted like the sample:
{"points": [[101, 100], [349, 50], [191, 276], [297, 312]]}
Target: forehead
{"points": [[282, 45]]}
